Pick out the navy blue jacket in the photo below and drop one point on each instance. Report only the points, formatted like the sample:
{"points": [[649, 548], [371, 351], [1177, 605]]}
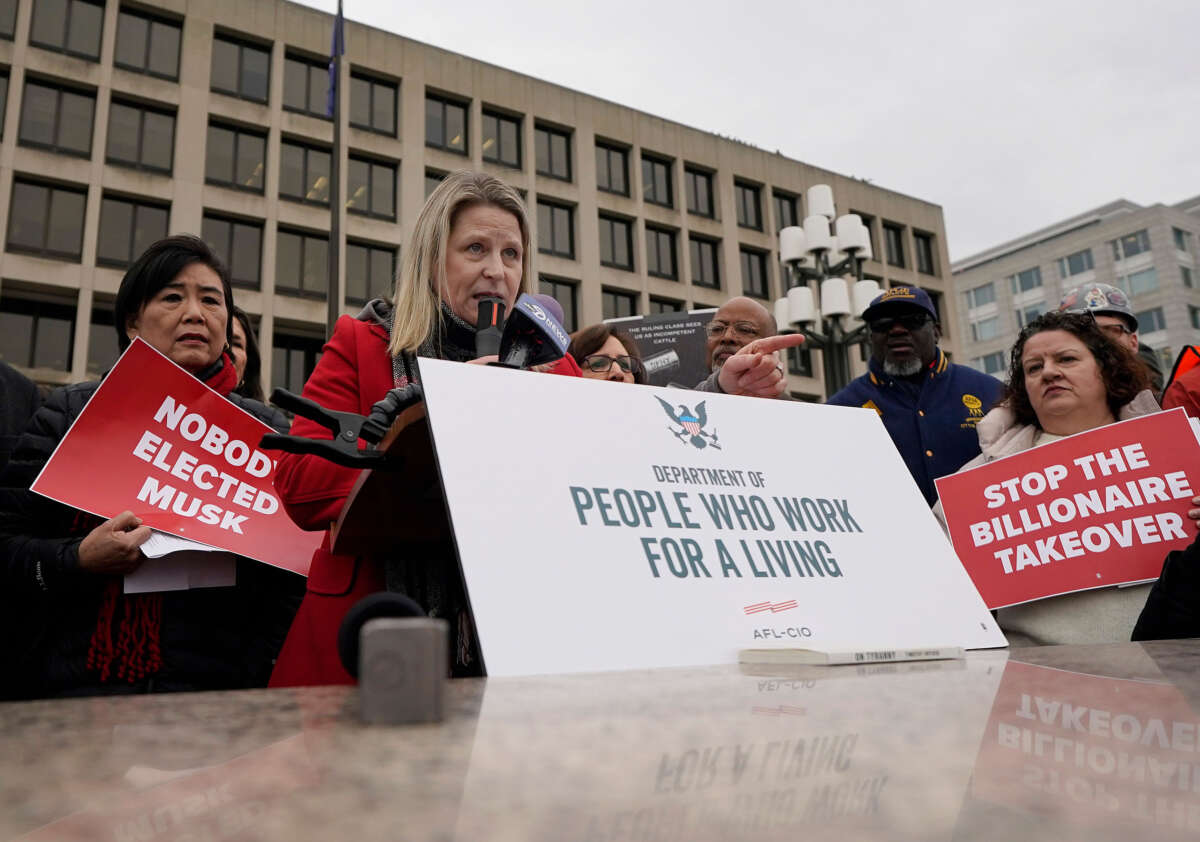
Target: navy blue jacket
{"points": [[932, 421]]}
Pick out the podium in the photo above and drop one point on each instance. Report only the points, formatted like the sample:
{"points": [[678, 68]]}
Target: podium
{"points": [[400, 502]]}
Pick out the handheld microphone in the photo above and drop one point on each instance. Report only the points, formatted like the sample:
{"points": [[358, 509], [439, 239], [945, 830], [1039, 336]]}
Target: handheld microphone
{"points": [[488, 326], [398, 655], [532, 336]]}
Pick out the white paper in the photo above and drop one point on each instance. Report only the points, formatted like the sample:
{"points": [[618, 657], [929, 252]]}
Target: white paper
{"points": [[184, 569], [550, 595], [161, 543]]}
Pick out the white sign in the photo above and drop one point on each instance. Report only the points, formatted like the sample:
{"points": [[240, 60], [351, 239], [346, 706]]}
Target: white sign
{"points": [[604, 526]]}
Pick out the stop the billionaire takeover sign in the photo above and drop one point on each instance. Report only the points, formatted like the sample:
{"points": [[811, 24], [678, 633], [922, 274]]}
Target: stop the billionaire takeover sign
{"points": [[158, 442], [606, 526], [1095, 509]]}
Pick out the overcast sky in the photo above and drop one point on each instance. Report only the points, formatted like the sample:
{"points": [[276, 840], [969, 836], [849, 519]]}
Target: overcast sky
{"points": [[1010, 115]]}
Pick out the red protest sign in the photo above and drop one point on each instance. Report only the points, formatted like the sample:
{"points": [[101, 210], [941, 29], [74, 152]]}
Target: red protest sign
{"points": [[1098, 508], [157, 441]]}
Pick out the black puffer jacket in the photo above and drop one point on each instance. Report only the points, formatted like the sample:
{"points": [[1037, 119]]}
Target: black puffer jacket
{"points": [[210, 638], [1172, 609], [19, 399]]}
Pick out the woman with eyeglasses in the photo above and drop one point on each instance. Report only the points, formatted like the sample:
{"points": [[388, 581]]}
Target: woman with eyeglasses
{"points": [[607, 354], [1066, 376]]}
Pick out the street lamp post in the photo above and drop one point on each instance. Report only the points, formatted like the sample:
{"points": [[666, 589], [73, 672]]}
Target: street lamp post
{"points": [[815, 253]]}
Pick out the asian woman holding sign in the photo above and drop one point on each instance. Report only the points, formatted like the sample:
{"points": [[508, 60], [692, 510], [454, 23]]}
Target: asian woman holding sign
{"points": [[71, 628]]}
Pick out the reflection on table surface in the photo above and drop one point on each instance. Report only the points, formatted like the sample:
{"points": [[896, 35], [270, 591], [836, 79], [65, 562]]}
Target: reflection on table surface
{"points": [[1058, 743]]}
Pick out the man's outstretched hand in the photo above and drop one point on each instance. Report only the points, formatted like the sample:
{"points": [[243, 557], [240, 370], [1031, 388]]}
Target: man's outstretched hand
{"points": [[756, 370]]}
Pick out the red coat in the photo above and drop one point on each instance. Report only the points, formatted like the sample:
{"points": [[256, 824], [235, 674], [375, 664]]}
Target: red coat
{"points": [[355, 371]]}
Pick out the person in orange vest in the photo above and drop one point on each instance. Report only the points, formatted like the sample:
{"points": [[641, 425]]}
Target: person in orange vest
{"points": [[1184, 390]]}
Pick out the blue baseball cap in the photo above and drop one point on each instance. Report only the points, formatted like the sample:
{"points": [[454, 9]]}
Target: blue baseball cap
{"points": [[898, 295]]}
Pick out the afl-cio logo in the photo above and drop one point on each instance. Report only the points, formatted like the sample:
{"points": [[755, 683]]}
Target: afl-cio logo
{"points": [[974, 404]]}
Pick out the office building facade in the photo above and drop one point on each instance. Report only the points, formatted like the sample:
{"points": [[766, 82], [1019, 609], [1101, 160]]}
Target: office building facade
{"points": [[123, 122], [1149, 252]]}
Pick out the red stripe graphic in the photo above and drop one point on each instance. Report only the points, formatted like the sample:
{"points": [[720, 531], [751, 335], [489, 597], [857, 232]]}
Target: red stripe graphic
{"points": [[783, 606], [774, 608]]}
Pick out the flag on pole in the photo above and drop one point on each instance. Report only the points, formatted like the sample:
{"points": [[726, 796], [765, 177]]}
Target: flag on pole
{"points": [[337, 47]]}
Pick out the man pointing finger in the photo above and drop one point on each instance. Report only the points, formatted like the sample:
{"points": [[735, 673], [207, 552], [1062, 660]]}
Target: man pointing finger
{"points": [[743, 351]]}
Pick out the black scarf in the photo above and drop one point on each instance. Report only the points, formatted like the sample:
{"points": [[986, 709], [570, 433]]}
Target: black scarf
{"points": [[435, 583]]}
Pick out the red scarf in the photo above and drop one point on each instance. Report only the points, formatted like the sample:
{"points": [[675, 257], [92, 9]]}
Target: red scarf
{"points": [[138, 617]]}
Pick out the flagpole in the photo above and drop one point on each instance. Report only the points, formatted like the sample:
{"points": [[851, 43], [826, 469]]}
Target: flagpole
{"points": [[333, 299]]}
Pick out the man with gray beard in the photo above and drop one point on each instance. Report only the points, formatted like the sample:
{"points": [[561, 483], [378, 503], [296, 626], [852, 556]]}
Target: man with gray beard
{"points": [[929, 405]]}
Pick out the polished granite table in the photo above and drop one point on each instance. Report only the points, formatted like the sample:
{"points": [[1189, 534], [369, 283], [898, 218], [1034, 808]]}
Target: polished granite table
{"points": [[1059, 743]]}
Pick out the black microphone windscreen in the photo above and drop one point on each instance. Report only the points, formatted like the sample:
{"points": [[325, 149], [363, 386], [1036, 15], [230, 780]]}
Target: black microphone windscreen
{"points": [[489, 325], [382, 604]]}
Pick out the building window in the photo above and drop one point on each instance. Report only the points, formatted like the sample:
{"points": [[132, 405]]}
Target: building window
{"points": [[1027, 314], [445, 124], [103, 349], [556, 229], [8, 19], [502, 139], [612, 169], [552, 150], [235, 157], [923, 246], [432, 179], [618, 305], [868, 222], [240, 69], [799, 361], [1151, 320], [58, 119], [749, 212], [754, 273], [128, 228], [306, 86], [1194, 316], [68, 26], [372, 105], [785, 211], [3, 98], [616, 242], [660, 306], [705, 271], [1183, 239], [1130, 245], [935, 298], [147, 44], [985, 329], [1075, 264], [1137, 283], [698, 186], [981, 295], [371, 188], [302, 264], [660, 253], [1185, 274], [563, 292], [140, 137], [303, 173], [656, 181], [893, 237], [46, 221], [1025, 281], [36, 334], [293, 359], [238, 244], [369, 272], [990, 363]]}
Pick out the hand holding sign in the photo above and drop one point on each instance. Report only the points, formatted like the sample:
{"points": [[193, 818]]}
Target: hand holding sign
{"points": [[114, 547], [756, 370]]}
